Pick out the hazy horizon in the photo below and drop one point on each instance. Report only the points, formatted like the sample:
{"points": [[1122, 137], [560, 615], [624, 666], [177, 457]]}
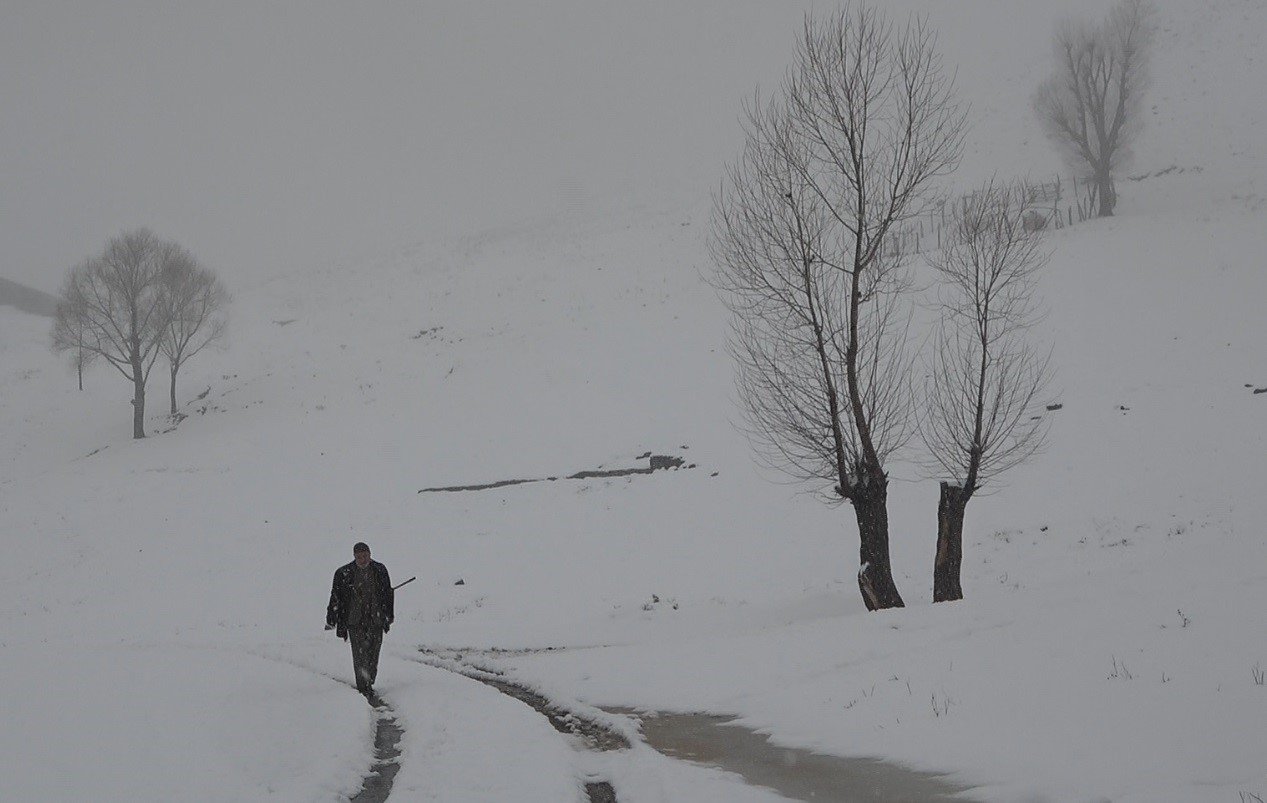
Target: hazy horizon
{"points": [[270, 137]]}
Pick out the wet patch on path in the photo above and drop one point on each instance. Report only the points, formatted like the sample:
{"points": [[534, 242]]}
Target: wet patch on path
{"points": [[794, 773], [387, 733]]}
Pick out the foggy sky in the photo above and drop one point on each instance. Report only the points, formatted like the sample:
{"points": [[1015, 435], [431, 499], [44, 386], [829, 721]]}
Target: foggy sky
{"points": [[270, 136]]}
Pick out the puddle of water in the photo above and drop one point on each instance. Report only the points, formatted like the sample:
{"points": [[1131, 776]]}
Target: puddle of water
{"points": [[797, 774]]}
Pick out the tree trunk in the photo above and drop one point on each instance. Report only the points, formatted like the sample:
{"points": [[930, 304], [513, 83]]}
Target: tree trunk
{"points": [[80, 365], [950, 510], [174, 392], [1104, 190], [138, 402], [875, 577]]}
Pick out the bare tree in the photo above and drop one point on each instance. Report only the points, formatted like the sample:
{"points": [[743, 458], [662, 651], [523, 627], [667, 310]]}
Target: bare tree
{"points": [[193, 305], [71, 334], [115, 299], [862, 125], [985, 377], [1090, 107]]}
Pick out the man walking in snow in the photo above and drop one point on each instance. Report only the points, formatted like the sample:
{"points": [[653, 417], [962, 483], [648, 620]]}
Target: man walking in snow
{"points": [[362, 608]]}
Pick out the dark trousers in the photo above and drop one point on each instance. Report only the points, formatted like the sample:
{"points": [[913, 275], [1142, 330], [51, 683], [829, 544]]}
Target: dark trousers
{"points": [[365, 647]]}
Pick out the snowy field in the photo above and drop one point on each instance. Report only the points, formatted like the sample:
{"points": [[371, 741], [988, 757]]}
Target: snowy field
{"points": [[162, 601]]}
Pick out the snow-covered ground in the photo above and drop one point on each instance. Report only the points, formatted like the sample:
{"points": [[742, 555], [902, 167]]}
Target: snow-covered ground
{"points": [[161, 602]]}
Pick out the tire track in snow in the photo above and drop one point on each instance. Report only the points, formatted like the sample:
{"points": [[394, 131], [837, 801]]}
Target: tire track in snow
{"points": [[595, 735]]}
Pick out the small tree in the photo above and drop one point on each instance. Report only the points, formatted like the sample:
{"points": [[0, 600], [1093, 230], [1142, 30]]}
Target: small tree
{"points": [[1090, 106], [71, 334], [863, 124], [112, 306], [193, 302], [984, 377]]}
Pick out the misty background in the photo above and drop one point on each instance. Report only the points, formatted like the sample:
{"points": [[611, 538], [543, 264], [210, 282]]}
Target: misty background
{"points": [[273, 137], [276, 136]]}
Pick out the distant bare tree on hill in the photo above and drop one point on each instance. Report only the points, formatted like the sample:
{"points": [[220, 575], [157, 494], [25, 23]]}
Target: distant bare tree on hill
{"points": [[112, 305], [1091, 106], [193, 305], [71, 334], [862, 125], [985, 376]]}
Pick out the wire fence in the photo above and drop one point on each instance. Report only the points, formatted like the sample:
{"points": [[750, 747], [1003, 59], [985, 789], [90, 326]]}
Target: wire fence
{"points": [[1053, 204]]}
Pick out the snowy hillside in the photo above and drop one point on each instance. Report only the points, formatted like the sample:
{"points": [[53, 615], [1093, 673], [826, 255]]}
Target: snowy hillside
{"points": [[162, 602], [26, 299]]}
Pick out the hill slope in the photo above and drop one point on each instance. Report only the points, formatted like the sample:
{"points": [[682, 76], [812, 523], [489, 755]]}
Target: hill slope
{"points": [[26, 299]]}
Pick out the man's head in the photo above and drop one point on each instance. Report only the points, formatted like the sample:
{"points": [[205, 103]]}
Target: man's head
{"points": [[362, 554]]}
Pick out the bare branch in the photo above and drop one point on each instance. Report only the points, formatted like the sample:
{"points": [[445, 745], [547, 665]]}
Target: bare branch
{"points": [[985, 378]]}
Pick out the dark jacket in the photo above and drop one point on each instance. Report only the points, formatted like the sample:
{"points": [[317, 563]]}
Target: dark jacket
{"points": [[341, 597]]}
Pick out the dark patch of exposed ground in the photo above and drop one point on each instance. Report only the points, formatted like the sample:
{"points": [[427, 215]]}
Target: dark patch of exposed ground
{"points": [[658, 463], [485, 487], [601, 792]]}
